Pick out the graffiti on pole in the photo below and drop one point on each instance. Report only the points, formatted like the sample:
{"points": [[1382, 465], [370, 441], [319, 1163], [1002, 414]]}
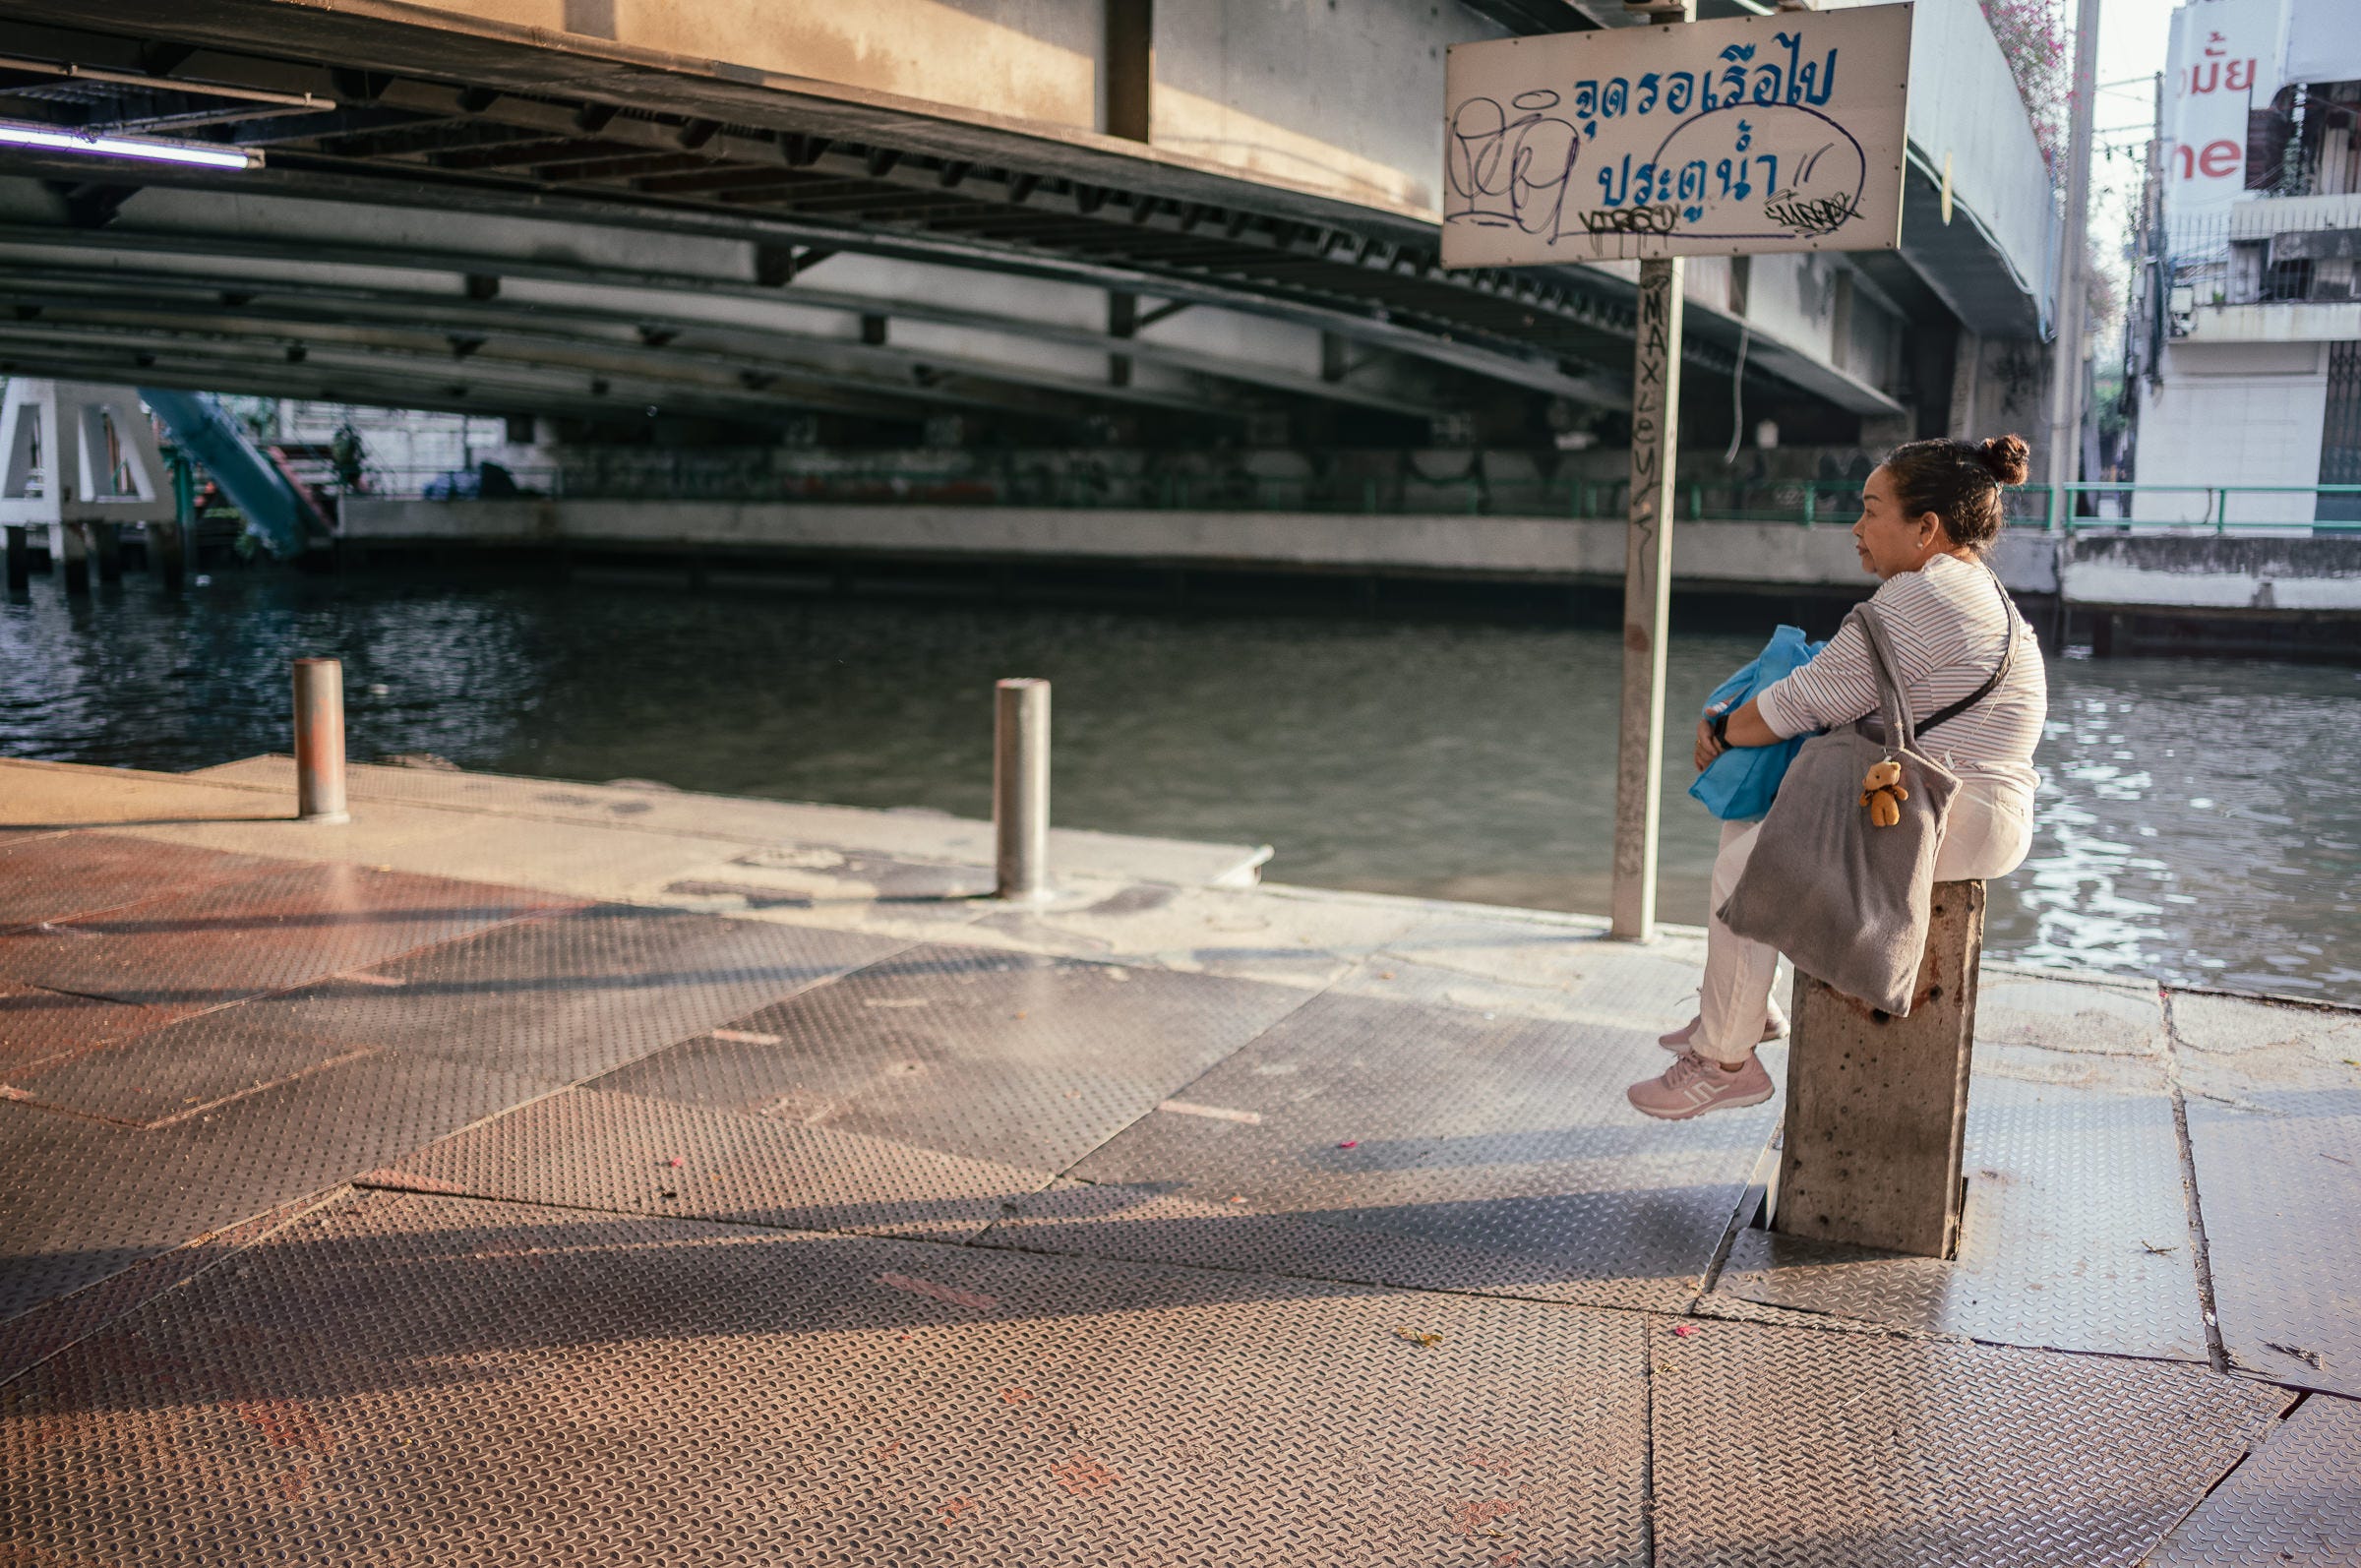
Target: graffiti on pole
{"points": [[1781, 133], [1654, 364]]}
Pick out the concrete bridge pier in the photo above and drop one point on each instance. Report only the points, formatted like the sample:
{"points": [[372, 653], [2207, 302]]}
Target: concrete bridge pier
{"points": [[167, 556], [70, 550]]}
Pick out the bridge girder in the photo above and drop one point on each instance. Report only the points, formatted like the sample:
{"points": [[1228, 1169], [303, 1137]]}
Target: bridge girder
{"points": [[790, 171], [659, 321]]}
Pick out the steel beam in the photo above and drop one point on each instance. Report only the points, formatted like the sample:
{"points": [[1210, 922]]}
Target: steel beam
{"points": [[878, 369], [444, 103], [531, 258], [187, 301]]}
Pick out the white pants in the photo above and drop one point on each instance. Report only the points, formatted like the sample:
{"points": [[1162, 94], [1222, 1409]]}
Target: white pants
{"points": [[1987, 833]]}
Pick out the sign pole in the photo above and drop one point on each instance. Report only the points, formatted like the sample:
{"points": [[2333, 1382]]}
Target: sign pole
{"points": [[1646, 587], [2066, 370], [1647, 596]]}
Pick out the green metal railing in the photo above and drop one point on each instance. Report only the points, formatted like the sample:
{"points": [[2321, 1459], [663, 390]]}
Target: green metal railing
{"points": [[2211, 508], [1802, 503]]}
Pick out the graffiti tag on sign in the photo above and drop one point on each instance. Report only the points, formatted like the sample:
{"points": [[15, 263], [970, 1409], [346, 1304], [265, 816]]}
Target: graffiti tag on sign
{"points": [[1722, 138]]}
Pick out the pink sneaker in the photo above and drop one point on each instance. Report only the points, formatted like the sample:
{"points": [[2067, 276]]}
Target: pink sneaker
{"points": [[1678, 1042], [1693, 1086]]}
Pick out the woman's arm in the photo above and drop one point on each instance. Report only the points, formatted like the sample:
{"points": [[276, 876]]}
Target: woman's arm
{"points": [[1837, 687]]}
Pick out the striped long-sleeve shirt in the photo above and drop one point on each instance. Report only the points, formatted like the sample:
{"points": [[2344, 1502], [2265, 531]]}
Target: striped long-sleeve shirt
{"points": [[1945, 624]]}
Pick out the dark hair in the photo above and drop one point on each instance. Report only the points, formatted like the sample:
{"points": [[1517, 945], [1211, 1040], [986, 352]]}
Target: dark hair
{"points": [[1960, 482]]}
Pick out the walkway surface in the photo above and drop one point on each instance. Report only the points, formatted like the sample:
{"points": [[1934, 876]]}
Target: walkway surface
{"points": [[535, 1172]]}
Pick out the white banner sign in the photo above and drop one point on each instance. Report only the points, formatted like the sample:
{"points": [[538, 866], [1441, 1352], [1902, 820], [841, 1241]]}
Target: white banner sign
{"points": [[1779, 133], [2222, 52]]}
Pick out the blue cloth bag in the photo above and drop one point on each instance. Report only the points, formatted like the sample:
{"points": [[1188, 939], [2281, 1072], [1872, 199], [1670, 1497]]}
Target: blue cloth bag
{"points": [[1740, 784]]}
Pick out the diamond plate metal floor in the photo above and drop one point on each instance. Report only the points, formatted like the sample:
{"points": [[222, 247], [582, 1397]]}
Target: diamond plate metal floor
{"points": [[1008, 1057], [562, 997], [1171, 1222], [1475, 962], [30, 1338], [182, 1069], [790, 1274], [230, 941], [85, 1200], [1794, 1448], [38, 1027], [2297, 1499], [575, 996], [2075, 1236], [587, 1149], [420, 1379], [61, 876], [1422, 1145]]}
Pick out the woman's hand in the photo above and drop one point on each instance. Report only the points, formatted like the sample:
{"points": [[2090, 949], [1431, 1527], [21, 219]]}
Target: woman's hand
{"points": [[1745, 727], [1707, 746]]}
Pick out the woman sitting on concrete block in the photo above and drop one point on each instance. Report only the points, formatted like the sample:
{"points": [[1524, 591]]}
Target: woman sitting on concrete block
{"points": [[1928, 515]]}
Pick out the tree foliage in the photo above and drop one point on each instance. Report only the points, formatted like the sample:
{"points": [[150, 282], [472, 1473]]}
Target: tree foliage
{"points": [[2033, 41]]}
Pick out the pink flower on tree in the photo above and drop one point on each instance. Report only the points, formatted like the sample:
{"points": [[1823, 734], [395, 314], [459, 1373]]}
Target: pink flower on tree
{"points": [[2032, 38]]}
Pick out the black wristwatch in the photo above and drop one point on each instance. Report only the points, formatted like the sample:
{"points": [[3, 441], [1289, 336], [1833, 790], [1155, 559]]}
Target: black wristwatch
{"points": [[1719, 725]]}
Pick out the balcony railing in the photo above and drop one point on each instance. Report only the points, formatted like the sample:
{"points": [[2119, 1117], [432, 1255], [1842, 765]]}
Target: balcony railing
{"points": [[2271, 250]]}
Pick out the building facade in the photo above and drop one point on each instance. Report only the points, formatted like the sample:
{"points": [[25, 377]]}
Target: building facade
{"points": [[2245, 336]]}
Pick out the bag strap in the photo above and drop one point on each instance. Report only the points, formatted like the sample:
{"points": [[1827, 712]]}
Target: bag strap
{"points": [[2008, 653], [1893, 702]]}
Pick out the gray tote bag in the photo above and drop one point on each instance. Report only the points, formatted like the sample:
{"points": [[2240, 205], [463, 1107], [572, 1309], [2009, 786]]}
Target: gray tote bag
{"points": [[1842, 898]]}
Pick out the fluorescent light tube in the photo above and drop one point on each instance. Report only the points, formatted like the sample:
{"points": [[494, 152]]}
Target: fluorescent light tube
{"points": [[204, 154]]}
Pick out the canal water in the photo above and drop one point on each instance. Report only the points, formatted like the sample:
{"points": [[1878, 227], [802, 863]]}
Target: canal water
{"points": [[2199, 820]]}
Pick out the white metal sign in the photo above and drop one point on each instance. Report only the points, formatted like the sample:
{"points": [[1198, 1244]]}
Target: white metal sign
{"points": [[1781, 133]]}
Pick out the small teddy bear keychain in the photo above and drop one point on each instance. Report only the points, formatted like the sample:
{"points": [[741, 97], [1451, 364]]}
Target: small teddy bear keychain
{"points": [[1883, 794]]}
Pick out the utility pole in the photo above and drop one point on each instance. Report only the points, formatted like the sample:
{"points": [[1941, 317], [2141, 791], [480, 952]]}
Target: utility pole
{"points": [[1647, 580], [2073, 262]]}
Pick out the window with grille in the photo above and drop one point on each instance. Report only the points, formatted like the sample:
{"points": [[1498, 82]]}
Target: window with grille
{"points": [[2341, 435]]}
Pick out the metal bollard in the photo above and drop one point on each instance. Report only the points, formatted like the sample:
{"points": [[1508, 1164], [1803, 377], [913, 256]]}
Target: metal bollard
{"points": [[1020, 787], [319, 741]]}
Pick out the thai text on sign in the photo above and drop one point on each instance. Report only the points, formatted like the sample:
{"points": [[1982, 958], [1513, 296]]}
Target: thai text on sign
{"points": [[1777, 132]]}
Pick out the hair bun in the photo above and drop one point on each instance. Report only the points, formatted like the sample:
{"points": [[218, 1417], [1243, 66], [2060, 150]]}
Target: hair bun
{"points": [[2005, 455]]}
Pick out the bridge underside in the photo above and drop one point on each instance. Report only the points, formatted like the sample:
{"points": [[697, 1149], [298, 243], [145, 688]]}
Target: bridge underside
{"points": [[468, 218]]}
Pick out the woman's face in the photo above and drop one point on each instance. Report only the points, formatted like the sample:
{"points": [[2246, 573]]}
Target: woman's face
{"points": [[1889, 542]]}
